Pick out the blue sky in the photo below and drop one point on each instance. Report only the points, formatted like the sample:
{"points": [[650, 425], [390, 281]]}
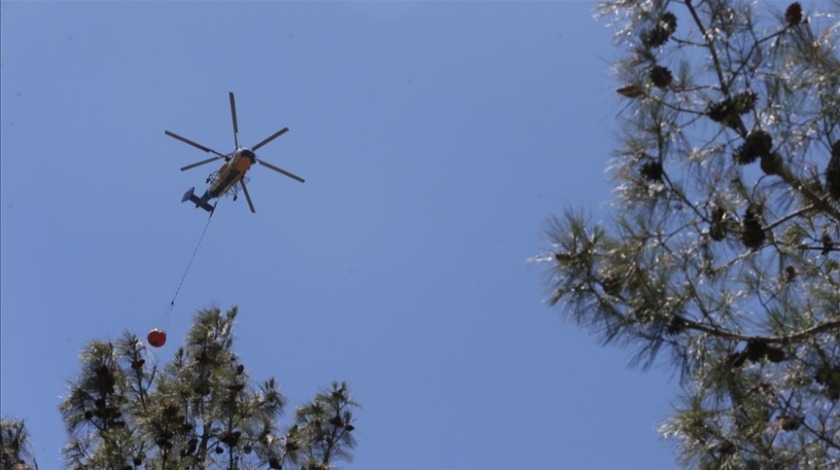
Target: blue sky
{"points": [[436, 139]]}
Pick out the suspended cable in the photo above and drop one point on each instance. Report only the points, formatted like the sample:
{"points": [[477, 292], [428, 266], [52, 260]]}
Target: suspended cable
{"points": [[184, 277], [157, 336]]}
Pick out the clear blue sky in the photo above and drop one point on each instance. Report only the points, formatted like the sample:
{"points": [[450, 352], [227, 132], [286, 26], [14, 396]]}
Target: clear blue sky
{"points": [[436, 139]]}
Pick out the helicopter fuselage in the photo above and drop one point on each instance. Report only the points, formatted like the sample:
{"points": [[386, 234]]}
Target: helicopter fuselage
{"points": [[231, 172]]}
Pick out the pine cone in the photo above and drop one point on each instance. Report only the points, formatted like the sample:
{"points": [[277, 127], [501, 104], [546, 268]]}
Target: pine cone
{"points": [[775, 355], [788, 422], [718, 229], [756, 350], [655, 36], [790, 274], [718, 112], [727, 111], [669, 21], [192, 444], [827, 243], [753, 235], [652, 171], [771, 164], [829, 377], [612, 285], [757, 144], [793, 14], [743, 103], [661, 32], [675, 326], [661, 76], [743, 155]]}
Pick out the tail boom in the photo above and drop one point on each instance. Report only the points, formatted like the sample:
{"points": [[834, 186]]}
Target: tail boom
{"points": [[199, 202]]}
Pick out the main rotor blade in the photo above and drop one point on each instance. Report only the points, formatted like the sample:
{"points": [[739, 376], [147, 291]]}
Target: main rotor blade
{"points": [[280, 170], [233, 117], [270, 138], [201, 163], [247, 196], [190, 142]]}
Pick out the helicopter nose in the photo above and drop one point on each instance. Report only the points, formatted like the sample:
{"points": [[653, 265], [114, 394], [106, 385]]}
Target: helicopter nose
{"points": [[248, 153]]}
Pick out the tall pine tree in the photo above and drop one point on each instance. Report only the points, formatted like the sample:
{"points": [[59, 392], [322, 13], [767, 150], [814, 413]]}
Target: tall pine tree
{"points": [[201, 410], [15, 449], [722, 248]]}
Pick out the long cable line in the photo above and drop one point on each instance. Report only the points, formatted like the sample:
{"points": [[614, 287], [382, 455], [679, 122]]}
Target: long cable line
{"points": [[164, 321]]}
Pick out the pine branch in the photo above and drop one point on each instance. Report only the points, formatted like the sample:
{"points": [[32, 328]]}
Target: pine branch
{"points": [[787, 339], [710, 45], [663, 281]]}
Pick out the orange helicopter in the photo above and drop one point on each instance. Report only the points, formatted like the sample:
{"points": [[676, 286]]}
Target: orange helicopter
{"points": [[231, 176]]}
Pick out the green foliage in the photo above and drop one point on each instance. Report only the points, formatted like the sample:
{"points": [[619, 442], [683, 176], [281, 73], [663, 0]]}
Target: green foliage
{"points": [[324, 427], [15, 451], [729, 266], [200, 410]]}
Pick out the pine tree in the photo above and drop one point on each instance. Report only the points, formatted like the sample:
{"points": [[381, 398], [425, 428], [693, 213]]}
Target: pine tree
{"points": [[721, 250], [201, 410], [15, 451]]}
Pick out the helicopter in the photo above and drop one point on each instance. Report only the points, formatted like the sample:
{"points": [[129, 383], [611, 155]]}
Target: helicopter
{"points": [[231, 176]]}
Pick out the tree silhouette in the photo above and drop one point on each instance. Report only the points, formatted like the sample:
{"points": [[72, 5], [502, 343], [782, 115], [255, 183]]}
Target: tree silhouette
{"points": [[201, 410], [15, 451], [721, 249]]}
